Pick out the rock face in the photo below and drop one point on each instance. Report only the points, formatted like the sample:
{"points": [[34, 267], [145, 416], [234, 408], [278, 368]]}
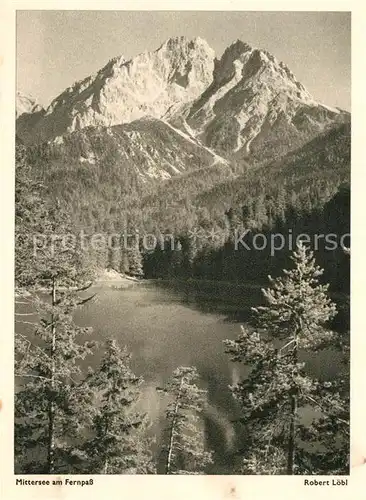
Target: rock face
{"points": [[247, 104], [123, 91], [26, 104], [145, 149], [255, 104]]}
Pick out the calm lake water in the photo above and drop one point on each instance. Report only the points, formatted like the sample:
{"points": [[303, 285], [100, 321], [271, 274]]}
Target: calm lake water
{"points": [[165, 325]]}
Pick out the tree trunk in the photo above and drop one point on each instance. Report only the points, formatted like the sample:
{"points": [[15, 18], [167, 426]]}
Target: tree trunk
{"points": [[172, 430], [291, 440], [51, 405], [293, 418], [106, 462]]}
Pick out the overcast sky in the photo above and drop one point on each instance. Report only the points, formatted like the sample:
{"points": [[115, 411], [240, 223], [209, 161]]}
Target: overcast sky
{"points": [[56, 48]]}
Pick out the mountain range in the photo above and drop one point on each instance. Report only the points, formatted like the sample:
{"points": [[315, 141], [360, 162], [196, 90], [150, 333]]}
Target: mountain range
{"points": [[180, 108], [176, 141]]}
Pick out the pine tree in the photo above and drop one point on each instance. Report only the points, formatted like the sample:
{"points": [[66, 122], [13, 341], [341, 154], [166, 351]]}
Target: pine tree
{"points": [[185, 451], [114, 258], [123, 265], [30, 214], [189, 252], [120, 444], [53, 405], [330, 433], [278, 386], [135, 261]]}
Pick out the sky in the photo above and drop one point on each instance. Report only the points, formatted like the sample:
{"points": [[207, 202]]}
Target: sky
{"points": [[57, 48]]}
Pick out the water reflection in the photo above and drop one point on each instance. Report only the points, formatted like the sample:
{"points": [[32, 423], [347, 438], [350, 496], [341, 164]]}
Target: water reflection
{"points": [[169, 324]]}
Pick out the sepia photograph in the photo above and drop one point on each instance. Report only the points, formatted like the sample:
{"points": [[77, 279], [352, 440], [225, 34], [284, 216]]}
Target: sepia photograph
{"points": [[182, 243]]}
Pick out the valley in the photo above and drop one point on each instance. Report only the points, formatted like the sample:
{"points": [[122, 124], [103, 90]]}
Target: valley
{"points": [[187, 150]]}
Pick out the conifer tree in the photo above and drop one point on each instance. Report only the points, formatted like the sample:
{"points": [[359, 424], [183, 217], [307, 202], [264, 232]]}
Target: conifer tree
{"points": [[135, 261], [114, 258], [50, 404], [277, 385], [53, 406], [119, 444], [330, 433], [123, 265], [189, 252], [184, 449], [30, 213]]}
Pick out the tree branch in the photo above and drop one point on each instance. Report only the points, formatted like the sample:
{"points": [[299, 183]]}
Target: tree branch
{"points": [[325, 411]]}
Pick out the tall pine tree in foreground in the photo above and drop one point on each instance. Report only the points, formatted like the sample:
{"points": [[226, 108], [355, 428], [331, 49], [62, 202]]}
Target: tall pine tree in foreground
{"points": [[184, 448], [30, 214], [51, 405], [331, 431], [119, 444], [59, 421], [278, 387]]}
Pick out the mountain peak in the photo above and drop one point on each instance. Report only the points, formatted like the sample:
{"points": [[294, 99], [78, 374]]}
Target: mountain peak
{"points": [[26, 104], [237, 103], [238, 46], [254, 100], [182, 40], [181, 46], [152, 83]]}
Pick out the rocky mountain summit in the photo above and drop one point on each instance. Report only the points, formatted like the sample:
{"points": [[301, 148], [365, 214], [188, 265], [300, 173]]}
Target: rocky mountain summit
{"points": [[126, 90], [246, 104], [26, 104], [254, 103]]}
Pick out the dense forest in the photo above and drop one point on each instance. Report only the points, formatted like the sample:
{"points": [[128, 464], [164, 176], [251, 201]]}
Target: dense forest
{"points": [[205, 224], [191, 221]]}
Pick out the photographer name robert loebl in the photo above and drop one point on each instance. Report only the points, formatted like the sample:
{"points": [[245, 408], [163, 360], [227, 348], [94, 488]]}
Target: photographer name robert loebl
{"points": [[325, 482]]}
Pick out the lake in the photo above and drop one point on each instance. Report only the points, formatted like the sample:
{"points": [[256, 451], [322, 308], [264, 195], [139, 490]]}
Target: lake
{"points": [[169, 324]]}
